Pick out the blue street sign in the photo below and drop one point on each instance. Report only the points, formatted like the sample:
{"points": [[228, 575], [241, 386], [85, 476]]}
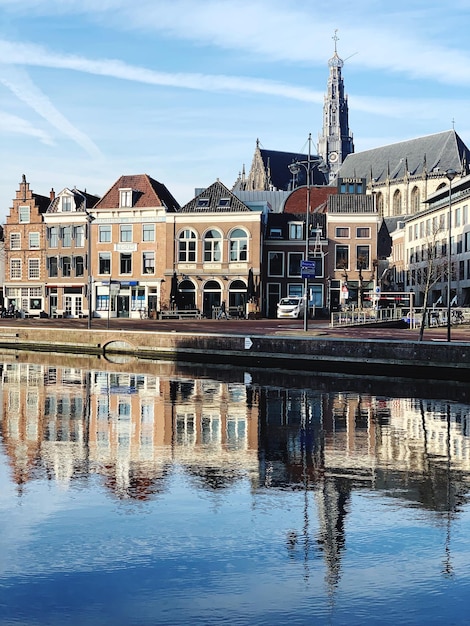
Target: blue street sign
{"points": [[307, 269]]}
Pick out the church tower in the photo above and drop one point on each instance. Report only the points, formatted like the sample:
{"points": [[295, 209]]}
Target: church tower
{"points": [[336, 141]]}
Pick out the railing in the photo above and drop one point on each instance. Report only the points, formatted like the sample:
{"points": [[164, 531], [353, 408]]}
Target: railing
{"points": [[435, 316]]}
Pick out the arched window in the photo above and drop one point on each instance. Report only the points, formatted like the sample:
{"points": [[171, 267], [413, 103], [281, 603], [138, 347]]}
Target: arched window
{"points": [[237, 298], [186, 297], [238, 245], [397, 202], [187, 246], [415, 200], [212, 246], [380, 204]]}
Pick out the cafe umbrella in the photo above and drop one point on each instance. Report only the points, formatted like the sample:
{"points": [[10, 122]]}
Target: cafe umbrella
{"points": [[174, 291], [251, 289]]}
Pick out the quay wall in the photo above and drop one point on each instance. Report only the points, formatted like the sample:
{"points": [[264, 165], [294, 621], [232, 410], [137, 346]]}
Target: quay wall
{"points": [[432, 360]]}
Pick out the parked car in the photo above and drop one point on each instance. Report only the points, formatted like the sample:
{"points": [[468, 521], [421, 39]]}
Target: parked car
{"points": [[292, 307]]}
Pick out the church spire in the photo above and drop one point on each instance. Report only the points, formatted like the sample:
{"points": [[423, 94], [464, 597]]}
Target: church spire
{"points": [[336, 141]]}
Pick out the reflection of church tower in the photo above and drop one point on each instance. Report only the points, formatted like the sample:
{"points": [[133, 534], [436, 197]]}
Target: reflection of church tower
{"points": [[335, 142], [332, 502]]}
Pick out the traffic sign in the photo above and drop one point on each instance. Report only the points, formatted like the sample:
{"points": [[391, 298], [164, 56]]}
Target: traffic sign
{"points": [[308, 269]]}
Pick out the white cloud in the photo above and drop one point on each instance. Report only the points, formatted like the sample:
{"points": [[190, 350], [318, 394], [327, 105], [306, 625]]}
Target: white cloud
{"points": [[18, 81], [18, 126]]}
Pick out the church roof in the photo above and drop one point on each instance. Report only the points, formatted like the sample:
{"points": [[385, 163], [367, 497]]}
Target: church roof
{"points": [[277, 165], [432, 154], [217, 198]]}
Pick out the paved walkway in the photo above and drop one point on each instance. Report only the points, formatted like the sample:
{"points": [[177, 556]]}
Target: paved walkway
{"points": [[459, 332]]}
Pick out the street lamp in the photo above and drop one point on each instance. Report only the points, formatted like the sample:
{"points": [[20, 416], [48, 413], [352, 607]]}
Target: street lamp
{"points": [[89, 220], [450, 175], [294, 168]]}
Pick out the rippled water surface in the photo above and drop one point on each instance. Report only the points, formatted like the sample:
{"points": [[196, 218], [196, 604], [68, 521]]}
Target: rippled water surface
{"points": [[159, 494]]}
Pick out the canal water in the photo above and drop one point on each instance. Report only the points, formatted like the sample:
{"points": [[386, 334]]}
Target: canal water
{"points": [[148, 493]]}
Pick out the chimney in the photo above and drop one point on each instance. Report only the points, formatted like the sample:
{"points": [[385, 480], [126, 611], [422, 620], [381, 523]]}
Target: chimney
{"points": [[52, 194]]}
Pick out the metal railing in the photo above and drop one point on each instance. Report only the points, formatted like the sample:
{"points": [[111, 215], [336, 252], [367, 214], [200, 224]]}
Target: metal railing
{"points": [[435, 316]]}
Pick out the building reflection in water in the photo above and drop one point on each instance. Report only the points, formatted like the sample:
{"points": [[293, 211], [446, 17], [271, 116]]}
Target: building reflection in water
{"points": [[132, 429]]}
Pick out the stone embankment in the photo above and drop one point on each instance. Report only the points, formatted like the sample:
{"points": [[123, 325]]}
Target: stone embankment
{"points": [[317, 352]]}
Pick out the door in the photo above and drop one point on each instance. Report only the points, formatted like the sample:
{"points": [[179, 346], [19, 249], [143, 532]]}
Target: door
{"points": [[122, 306]]}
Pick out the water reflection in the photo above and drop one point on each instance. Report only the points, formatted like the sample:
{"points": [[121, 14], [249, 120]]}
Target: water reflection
{"points": [[222, 428]]}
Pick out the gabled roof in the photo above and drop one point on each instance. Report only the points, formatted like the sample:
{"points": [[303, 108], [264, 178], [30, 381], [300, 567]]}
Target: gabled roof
{"points": [[147, 192], [82, 199], [215, 199], [433, 154]]}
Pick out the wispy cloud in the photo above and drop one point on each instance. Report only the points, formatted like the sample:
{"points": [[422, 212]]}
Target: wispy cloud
{"points": [[33, 55], [17, 126], [18, 81], [300, 34]]}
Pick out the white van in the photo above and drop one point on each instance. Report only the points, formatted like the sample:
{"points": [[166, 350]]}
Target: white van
{"points": [[292, 307]]}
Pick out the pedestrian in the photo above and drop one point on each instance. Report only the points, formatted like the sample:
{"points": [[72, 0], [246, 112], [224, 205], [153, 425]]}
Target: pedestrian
{"points": [[222, 311]]}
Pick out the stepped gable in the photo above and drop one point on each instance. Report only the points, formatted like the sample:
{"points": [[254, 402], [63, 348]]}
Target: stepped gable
{"points": [[432, 154], [148, 192], [215, 199]]}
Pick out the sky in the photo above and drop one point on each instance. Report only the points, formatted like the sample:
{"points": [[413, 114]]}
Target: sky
{"points": [[182, 89]]}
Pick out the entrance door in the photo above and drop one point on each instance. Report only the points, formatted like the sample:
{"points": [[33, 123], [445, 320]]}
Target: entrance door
{"points": [[122, 303], [52, 304], [212, 297], [274, 295]]}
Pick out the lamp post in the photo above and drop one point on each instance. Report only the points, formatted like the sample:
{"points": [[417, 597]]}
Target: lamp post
{"points": [[294, 168], [450, 175], [89, 220]]}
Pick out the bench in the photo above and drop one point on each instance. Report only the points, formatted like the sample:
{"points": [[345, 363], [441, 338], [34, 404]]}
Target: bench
{"points": [[179, 315]]}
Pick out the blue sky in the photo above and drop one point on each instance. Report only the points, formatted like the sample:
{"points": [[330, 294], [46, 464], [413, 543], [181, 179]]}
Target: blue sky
{"points": [[181, 89]]}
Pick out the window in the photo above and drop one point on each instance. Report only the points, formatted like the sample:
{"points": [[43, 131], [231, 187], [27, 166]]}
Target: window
{"points": [[15, 241], [238, 245], [342, 232], [125, 233], [53, 235], [363, 257], [34, 241], [104, 233], [294, 259], [342, 258], [33, 269], [148, 262], [79, 236], [52, 268], [415, 200], [125, 197], [66, 203], [15, 269], [187, 247], [458, 216], [203, 202], [275, 233], [66, 263], [397, 203], [212, 246], [79, 266], [363, 232], [24, 213], [67, 236], [125, 266], [104, 263], [224, 202], [295, 231], [148, 232], [275, 263]]}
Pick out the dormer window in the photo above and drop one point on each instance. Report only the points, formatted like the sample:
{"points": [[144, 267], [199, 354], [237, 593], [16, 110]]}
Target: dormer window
{"points": [[275, 233], [224, 202], [66, 204], [125, 197], [203, 202]]}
